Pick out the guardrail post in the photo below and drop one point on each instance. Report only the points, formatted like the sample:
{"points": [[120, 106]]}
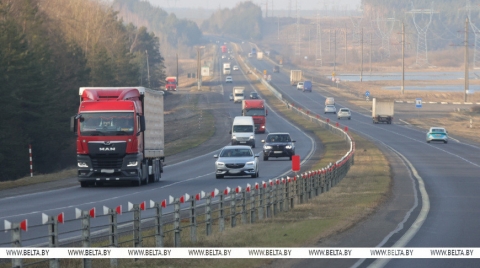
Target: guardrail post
{"points": [[233, 206], [193, 221], [244, 207], [17, 243], [287, 195], [159, 236], [137, 228], [310, 185], [221, 221], [302, 186], [252, 206], [176, 224], [294, 192], [53, 239], [208, 216], [269, 200], [113, 234], [275, 192], [282, 195], [261, 203], [87, 263]]}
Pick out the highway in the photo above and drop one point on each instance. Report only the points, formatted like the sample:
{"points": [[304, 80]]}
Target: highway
{"points": [[190, 176], [447, 212]]}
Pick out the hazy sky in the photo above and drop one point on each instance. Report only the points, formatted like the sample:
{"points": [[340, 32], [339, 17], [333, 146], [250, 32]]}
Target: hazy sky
{"points": [[277, 4]]}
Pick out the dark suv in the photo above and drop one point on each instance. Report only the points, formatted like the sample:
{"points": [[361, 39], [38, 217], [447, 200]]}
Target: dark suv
{"points": [[276, 69], [278, 145]]}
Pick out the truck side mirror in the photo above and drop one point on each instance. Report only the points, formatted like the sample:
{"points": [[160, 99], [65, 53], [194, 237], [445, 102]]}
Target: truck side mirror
{"points": [[142, 124], [230, 132], [266, 112], [73, 124]]}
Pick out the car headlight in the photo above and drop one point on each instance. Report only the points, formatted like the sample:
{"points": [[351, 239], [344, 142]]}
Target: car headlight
{"points": [[288, 147], [234, 137], [251, 163], [220, 164], [132, 164], [252, 137], [82, 164], [267, 147]]}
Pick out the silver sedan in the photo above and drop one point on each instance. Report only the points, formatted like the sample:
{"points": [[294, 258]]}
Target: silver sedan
{"points": [[344, 113], [236, 161], [330, 109]]}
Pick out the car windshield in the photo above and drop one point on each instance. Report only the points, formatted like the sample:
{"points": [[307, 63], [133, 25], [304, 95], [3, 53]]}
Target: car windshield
{"points": [[344, 110], [278, 138], [330, 106], [236, 152], [242, 128]]}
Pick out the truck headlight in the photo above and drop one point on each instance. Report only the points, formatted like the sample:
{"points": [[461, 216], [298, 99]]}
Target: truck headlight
{"points": [[234, 137], [288, 147], [267, 147], [132, 164], [252, 137], [82, 164]]}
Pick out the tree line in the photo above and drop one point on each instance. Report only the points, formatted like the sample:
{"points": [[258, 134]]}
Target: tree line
{"points": [[48, 49]]}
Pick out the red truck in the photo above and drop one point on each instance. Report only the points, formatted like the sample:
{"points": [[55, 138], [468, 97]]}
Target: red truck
{"points": [[120, 135], [256, 109], [224, 49], [171, 83]]}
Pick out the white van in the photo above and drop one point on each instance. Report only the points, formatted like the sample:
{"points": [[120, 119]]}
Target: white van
{"points": [[243, 131]]}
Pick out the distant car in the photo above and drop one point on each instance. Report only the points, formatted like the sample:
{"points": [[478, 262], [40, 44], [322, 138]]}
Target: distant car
{"points": [[330, 109], [254, 95], [344, 113], [276, 69], [307, 86], [223, 56], [278, 145], [228, 79], [236, 160], [231, 96], [300, 85], [235, 67], [437, 134], [329, 101]]}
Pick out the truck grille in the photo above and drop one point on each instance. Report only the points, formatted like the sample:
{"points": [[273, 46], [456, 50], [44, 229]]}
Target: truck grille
{"points": [[110, 162], [242, 138]]}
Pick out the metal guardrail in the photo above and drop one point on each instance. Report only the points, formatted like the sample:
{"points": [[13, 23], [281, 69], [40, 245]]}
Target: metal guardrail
{"points": [[189, 212]]}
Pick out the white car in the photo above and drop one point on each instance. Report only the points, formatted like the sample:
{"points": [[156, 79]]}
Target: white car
{"points": [[344, 113], [231, 96], [330, 109], [300, 86], [228, 79], [236, 160], [235, 67]]}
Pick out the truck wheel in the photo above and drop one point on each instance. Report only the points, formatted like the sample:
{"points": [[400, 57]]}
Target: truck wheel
{"points": [[136, 183], [265, 158], [219, 176], [84, 184], [151, 177]]}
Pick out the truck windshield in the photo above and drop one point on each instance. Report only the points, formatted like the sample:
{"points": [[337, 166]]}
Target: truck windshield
{"points": [[252, 112], [107, 124]]}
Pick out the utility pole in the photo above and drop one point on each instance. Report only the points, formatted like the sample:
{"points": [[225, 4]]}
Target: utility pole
{"points": [[403, 58], [334, 50], [466, 61], [361, 47], [370, 54], [345, 45], [199, 72], [148, 69]]}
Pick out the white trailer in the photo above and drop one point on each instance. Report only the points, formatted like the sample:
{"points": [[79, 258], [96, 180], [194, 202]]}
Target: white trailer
{"points": [[382, 111]]}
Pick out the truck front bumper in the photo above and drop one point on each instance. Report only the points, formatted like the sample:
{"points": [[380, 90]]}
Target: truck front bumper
{"points": [[106, 170]]}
